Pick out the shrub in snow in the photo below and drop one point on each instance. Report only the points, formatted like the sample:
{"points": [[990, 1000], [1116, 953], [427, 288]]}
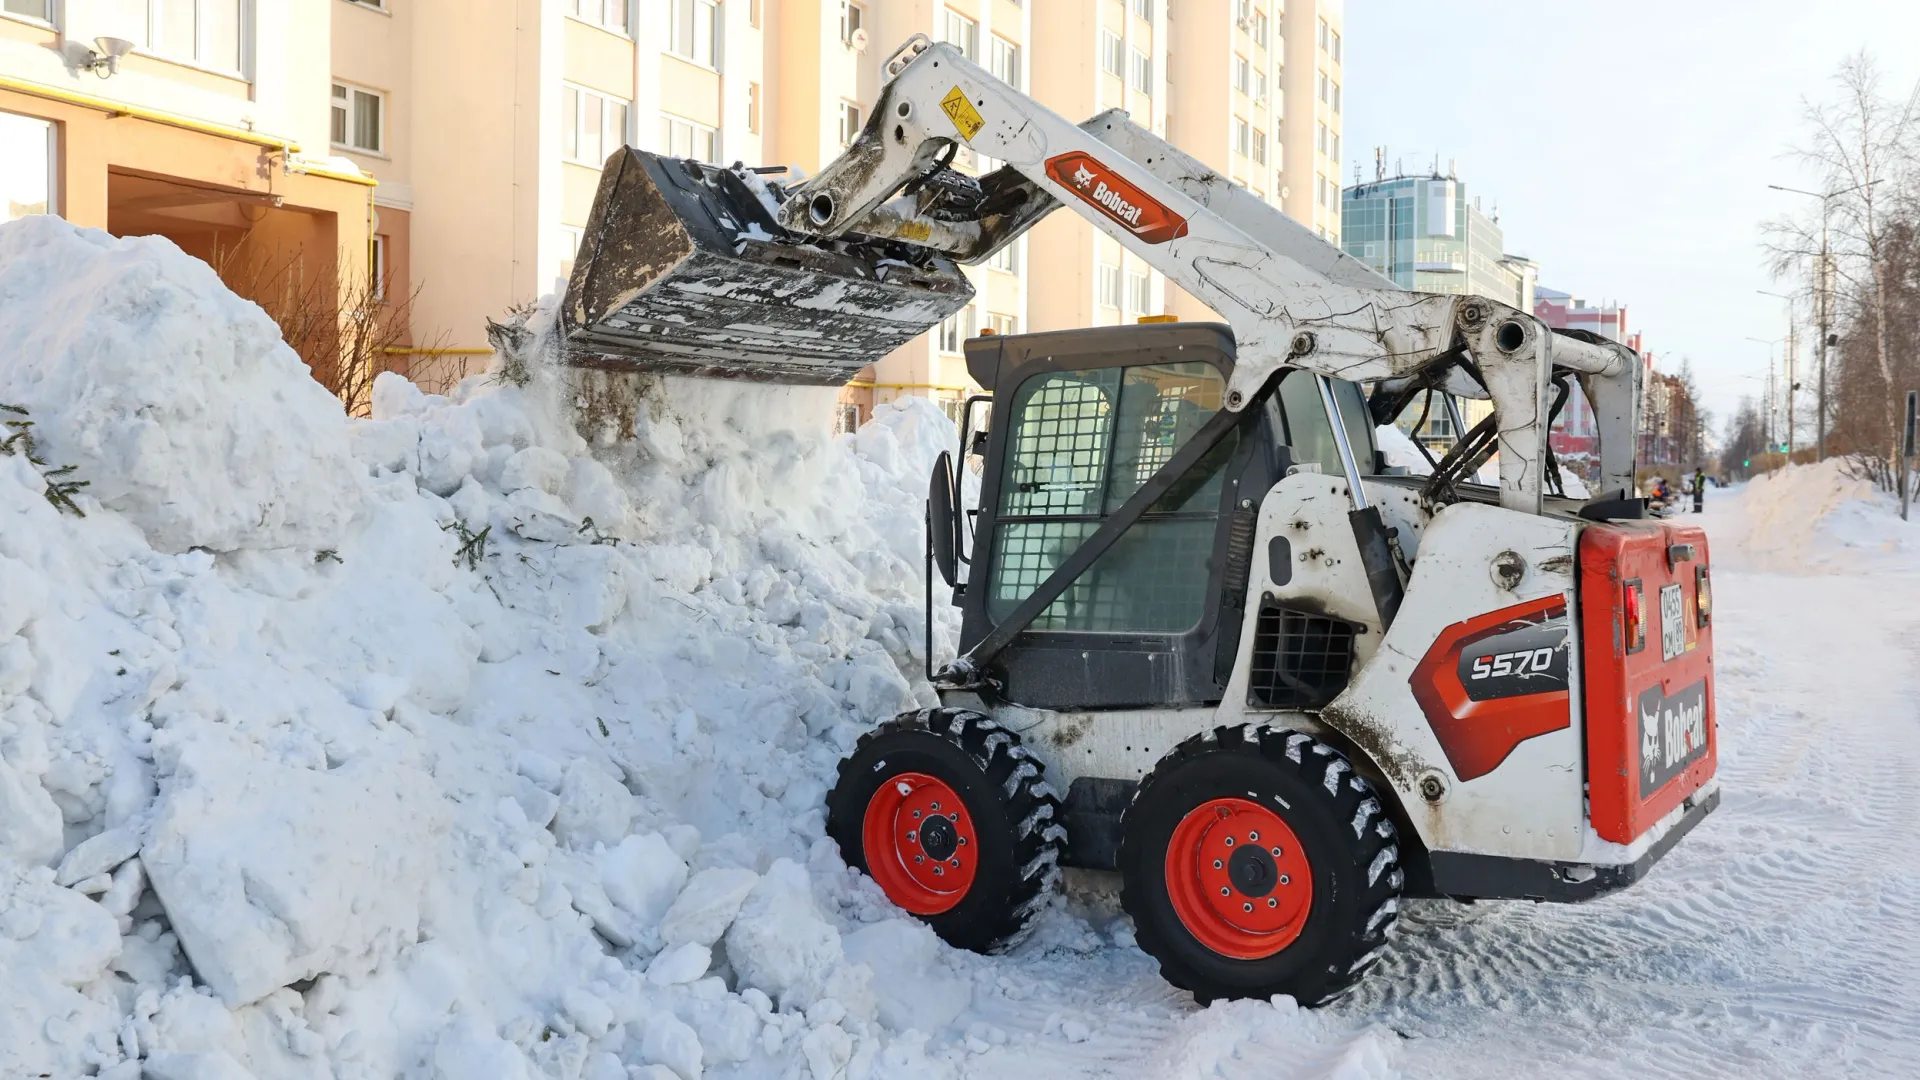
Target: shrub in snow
{"points": [[175, 399]]}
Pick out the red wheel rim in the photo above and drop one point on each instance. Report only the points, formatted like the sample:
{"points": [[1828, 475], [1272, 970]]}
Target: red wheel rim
{"points": [[1238, 879], [920, 843]]}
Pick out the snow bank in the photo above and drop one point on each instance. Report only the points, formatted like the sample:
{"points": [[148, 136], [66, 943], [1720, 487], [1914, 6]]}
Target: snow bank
{"points": [[449, 743], [176, 400], [1814, 519]]}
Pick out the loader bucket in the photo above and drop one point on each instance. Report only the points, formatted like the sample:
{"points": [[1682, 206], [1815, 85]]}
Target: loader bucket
{"points": [[682, 270]]}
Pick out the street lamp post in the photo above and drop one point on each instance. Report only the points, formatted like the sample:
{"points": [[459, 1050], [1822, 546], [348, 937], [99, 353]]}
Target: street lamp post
{"points": [[1772, 403], [1823, 296], [1789, 362]]}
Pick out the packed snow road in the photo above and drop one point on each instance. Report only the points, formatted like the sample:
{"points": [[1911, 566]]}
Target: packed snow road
{"points": [[1781, 939]]}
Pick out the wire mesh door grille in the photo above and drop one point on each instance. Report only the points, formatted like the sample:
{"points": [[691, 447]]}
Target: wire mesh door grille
{"points": [[1300, 661], [1082, 442]]}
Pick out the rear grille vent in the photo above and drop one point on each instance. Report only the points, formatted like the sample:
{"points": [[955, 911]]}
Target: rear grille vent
{"points": [[1300, 661]]}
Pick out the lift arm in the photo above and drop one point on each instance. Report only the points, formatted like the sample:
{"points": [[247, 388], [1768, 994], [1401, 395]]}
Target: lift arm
{"points": [[1291, 299]]}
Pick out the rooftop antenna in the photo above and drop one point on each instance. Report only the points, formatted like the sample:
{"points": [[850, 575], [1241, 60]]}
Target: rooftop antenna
{"points": [[1399, 168], [1379, 163], [1450, 173], [1436, 165]]}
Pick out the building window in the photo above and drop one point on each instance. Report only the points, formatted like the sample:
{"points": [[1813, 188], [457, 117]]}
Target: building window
{"points": [[1142, 71], [846, 418], [955, 329], [1333, 138], [1242, 11], [1002, 324], [1112, 58], [849, 122], [1325, 97], [753, 108], [1109, 285], [753, 13], [1005, 61], [1143, 8], [1242, 75], [1335, 35], [1139, 292], [693, 31], [1007, 259], [26, 183], [1260, 28], [592, 126], [611, 14], [684, 138], [1320, 139], [1242, 137], [1259, 86], [1323, 33], [962, 33], [853, 18], [203, 32], [32, 9], [357, 118], [1336, 97], [379, 267], [1260, 147], [1320, 186]]}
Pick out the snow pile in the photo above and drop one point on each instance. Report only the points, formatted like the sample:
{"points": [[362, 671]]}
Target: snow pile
{"points": [[176, 399], [443, 744], [1817, 518]]}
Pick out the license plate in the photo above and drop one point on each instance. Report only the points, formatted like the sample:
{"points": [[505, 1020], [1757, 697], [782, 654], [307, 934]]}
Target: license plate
{"points": [[1673, 627]]}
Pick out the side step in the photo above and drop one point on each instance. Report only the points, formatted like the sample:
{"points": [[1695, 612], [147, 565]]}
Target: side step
{"points": [[683, 270]]}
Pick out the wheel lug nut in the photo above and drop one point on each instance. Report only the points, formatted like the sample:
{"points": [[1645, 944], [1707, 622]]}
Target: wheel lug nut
{"points": [[1276, 852], [1224, 891], [1271, 902], [936, 806], [1284, 880], [1253, 836], [955, 816], [911, 836], [939, 870], [916, 813], [919, 858], [963, 840], [1217, 864], [955, 863], [1229, 841], [1246, 907]]}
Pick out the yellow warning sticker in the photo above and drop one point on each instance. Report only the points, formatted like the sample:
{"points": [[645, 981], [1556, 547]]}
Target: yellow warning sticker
{"points": [[961, 111]]}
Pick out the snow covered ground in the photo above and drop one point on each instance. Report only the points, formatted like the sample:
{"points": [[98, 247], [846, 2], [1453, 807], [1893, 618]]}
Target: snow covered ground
{"points": [[471, 741]]}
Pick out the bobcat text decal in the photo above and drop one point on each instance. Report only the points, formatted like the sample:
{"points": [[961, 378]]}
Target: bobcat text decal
{"points": [[1100, 187]]}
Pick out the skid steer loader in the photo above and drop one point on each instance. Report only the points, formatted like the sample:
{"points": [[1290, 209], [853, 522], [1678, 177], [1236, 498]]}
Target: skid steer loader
{"points": [[1209, 639]]}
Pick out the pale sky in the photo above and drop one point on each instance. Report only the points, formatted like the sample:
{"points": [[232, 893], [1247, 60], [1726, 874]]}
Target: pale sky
{"points": [[1628, 144]]}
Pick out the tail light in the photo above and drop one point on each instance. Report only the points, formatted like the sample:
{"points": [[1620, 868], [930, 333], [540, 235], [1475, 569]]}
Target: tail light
{"points": [[1702, 596], [1636, 612]]}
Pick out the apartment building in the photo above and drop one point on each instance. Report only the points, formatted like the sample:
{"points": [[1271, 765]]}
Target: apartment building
{"points": [[204, 121], [452, 150], [1255, 89]]}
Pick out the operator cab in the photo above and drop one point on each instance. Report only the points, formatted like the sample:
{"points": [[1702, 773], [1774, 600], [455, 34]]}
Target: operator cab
{"points": [[1080, 419]]}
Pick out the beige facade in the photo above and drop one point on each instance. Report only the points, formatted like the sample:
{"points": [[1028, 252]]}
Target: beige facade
{"points": [[213, 130]]}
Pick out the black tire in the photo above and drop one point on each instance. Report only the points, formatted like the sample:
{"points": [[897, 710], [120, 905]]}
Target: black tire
{"points": [[1014, 814], [1348, 841]]}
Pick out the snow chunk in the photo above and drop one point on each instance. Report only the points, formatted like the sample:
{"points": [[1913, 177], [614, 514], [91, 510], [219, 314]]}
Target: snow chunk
{"points": [[30, 823], [707, 906], [98, 855], [271, 874], [594, 808], [912, 994], [52, 940], [176, 400], [642, 876], [780, 944], [680, 964]]}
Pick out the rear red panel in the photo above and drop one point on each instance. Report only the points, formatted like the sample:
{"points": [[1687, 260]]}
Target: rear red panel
{"points": [[1650, 720]]}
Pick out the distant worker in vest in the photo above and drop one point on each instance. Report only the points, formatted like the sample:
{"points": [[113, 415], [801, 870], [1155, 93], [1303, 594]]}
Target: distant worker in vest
{"points": [[1699, 489]]}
